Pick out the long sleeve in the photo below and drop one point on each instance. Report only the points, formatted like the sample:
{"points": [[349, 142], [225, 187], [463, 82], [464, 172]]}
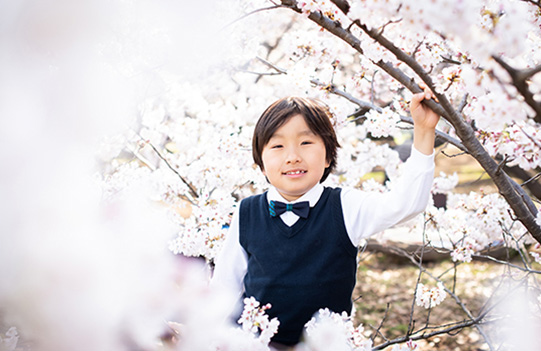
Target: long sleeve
{"points": [[366, 214], [231, 263]]}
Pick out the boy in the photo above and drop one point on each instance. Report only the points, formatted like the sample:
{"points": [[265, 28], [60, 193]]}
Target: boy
{"points": [[295, 246]]}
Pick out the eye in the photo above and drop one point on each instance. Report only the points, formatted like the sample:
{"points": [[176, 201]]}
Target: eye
{"points": [[277, 146], [307, 142]]}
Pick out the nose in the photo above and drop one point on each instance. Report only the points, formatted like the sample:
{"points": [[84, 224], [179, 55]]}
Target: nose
{"points": [[293, 156]]}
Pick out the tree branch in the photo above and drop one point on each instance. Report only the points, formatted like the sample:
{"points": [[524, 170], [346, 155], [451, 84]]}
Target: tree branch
{"points": [[517, 199], [271, 65], [519, 78], [251, 13], [478, 319], [366, 105], [456, 326], [191, 189], [536, 3], [446, 137], [331, 88]]}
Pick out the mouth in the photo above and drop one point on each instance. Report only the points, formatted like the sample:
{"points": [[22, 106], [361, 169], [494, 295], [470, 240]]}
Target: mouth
{"points": [[295, 172]]}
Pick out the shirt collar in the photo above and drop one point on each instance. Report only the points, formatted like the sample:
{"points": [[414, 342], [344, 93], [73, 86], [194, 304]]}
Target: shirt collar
{"points": [[312, 195]]}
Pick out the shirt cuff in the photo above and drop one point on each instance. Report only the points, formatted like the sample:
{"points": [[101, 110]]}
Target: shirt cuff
{"points": [[421, 160]]}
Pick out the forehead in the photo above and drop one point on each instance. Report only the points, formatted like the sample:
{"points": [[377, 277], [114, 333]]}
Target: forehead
{"points": [[294, 126]]}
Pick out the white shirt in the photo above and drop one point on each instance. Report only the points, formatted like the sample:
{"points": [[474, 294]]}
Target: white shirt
{"points": [[364, 213]]}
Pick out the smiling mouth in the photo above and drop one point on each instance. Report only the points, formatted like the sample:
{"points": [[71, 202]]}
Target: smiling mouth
{"points": [[294, 172]]}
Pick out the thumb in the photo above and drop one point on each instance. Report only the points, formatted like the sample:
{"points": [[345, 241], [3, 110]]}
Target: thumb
{"points": [[416, 100]]}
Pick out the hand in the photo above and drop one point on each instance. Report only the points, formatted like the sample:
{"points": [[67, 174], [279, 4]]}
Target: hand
{"points": [[422, 115], [424, 121]]}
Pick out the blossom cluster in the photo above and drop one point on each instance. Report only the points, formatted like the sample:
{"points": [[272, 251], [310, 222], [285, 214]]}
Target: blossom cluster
{"points": [[491, 113], [408, 346], [537, 253], [472, 222], [333, 331], [430, 297], [255, 320], [519, 143], [359, 156], [324, 6], [444, 184], [10, 340], [464, 250], [382, 124]]}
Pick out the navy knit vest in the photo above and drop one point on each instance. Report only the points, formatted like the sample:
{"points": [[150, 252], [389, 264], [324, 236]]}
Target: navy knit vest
{"points": [[298, 269]]}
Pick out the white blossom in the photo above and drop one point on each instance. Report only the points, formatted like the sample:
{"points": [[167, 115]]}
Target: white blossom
{"points": [[408, 346], [444, 183], [10, 340], [537, 253], [430, 297], [464, 250], [382, 124], [331, 330]]}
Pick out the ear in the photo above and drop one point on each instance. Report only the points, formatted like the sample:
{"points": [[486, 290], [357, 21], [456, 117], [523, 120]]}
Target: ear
{"points": [[265, 174], [327, 163]]}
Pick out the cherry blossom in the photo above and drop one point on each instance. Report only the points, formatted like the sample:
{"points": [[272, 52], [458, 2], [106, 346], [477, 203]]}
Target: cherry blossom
{"points": [[255, 320], [444, 183], [430, 297], [408, 346], [167, 113], [10, 340], [329, 329], [536, 254], [464, 250], [382, 124]]}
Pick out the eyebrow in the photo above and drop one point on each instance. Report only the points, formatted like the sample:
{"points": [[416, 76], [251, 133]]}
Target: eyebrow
{"points": [[301, 133]]}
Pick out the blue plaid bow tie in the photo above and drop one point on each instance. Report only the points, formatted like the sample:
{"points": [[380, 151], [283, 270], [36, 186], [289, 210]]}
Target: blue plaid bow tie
{"points": [[301, 209]]}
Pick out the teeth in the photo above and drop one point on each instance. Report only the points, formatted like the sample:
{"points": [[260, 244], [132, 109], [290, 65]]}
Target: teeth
{"points": [[297, 172]]}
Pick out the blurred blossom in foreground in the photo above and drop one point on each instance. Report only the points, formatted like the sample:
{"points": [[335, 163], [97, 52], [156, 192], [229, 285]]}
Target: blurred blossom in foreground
{"points": [[10, 339], [518, 328], [79, 272]]}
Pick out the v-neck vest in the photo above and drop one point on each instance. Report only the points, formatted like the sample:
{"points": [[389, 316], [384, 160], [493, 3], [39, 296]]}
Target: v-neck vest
{"points": [[298, 269]]}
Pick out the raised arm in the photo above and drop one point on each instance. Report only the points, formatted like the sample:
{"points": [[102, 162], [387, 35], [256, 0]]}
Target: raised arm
{"points": [[367, 214], [424, 122]]}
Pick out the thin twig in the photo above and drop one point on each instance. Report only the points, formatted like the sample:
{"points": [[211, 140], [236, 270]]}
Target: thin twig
{"points": [[259, 73], [410, 323], [453, 295], [372, 91], [334, 90], [463, 103], [446, 137], [456, 327], [272, 65], [535, 177], [455, 155], [251, 13], [536, 3], [518, 201], [502, 164], [377, 332], [191, 189], [520, 81], [509, 264]]}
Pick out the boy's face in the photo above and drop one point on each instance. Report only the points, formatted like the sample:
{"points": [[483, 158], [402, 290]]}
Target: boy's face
{"points": [[294, 159]]}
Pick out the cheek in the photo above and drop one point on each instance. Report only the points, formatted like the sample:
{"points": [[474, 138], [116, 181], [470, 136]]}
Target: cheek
{"points": [[267, 162]]}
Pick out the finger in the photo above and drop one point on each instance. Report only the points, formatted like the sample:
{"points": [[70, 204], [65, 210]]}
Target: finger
{"points": [[417, 97], [428, 93], [416, 100]]}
